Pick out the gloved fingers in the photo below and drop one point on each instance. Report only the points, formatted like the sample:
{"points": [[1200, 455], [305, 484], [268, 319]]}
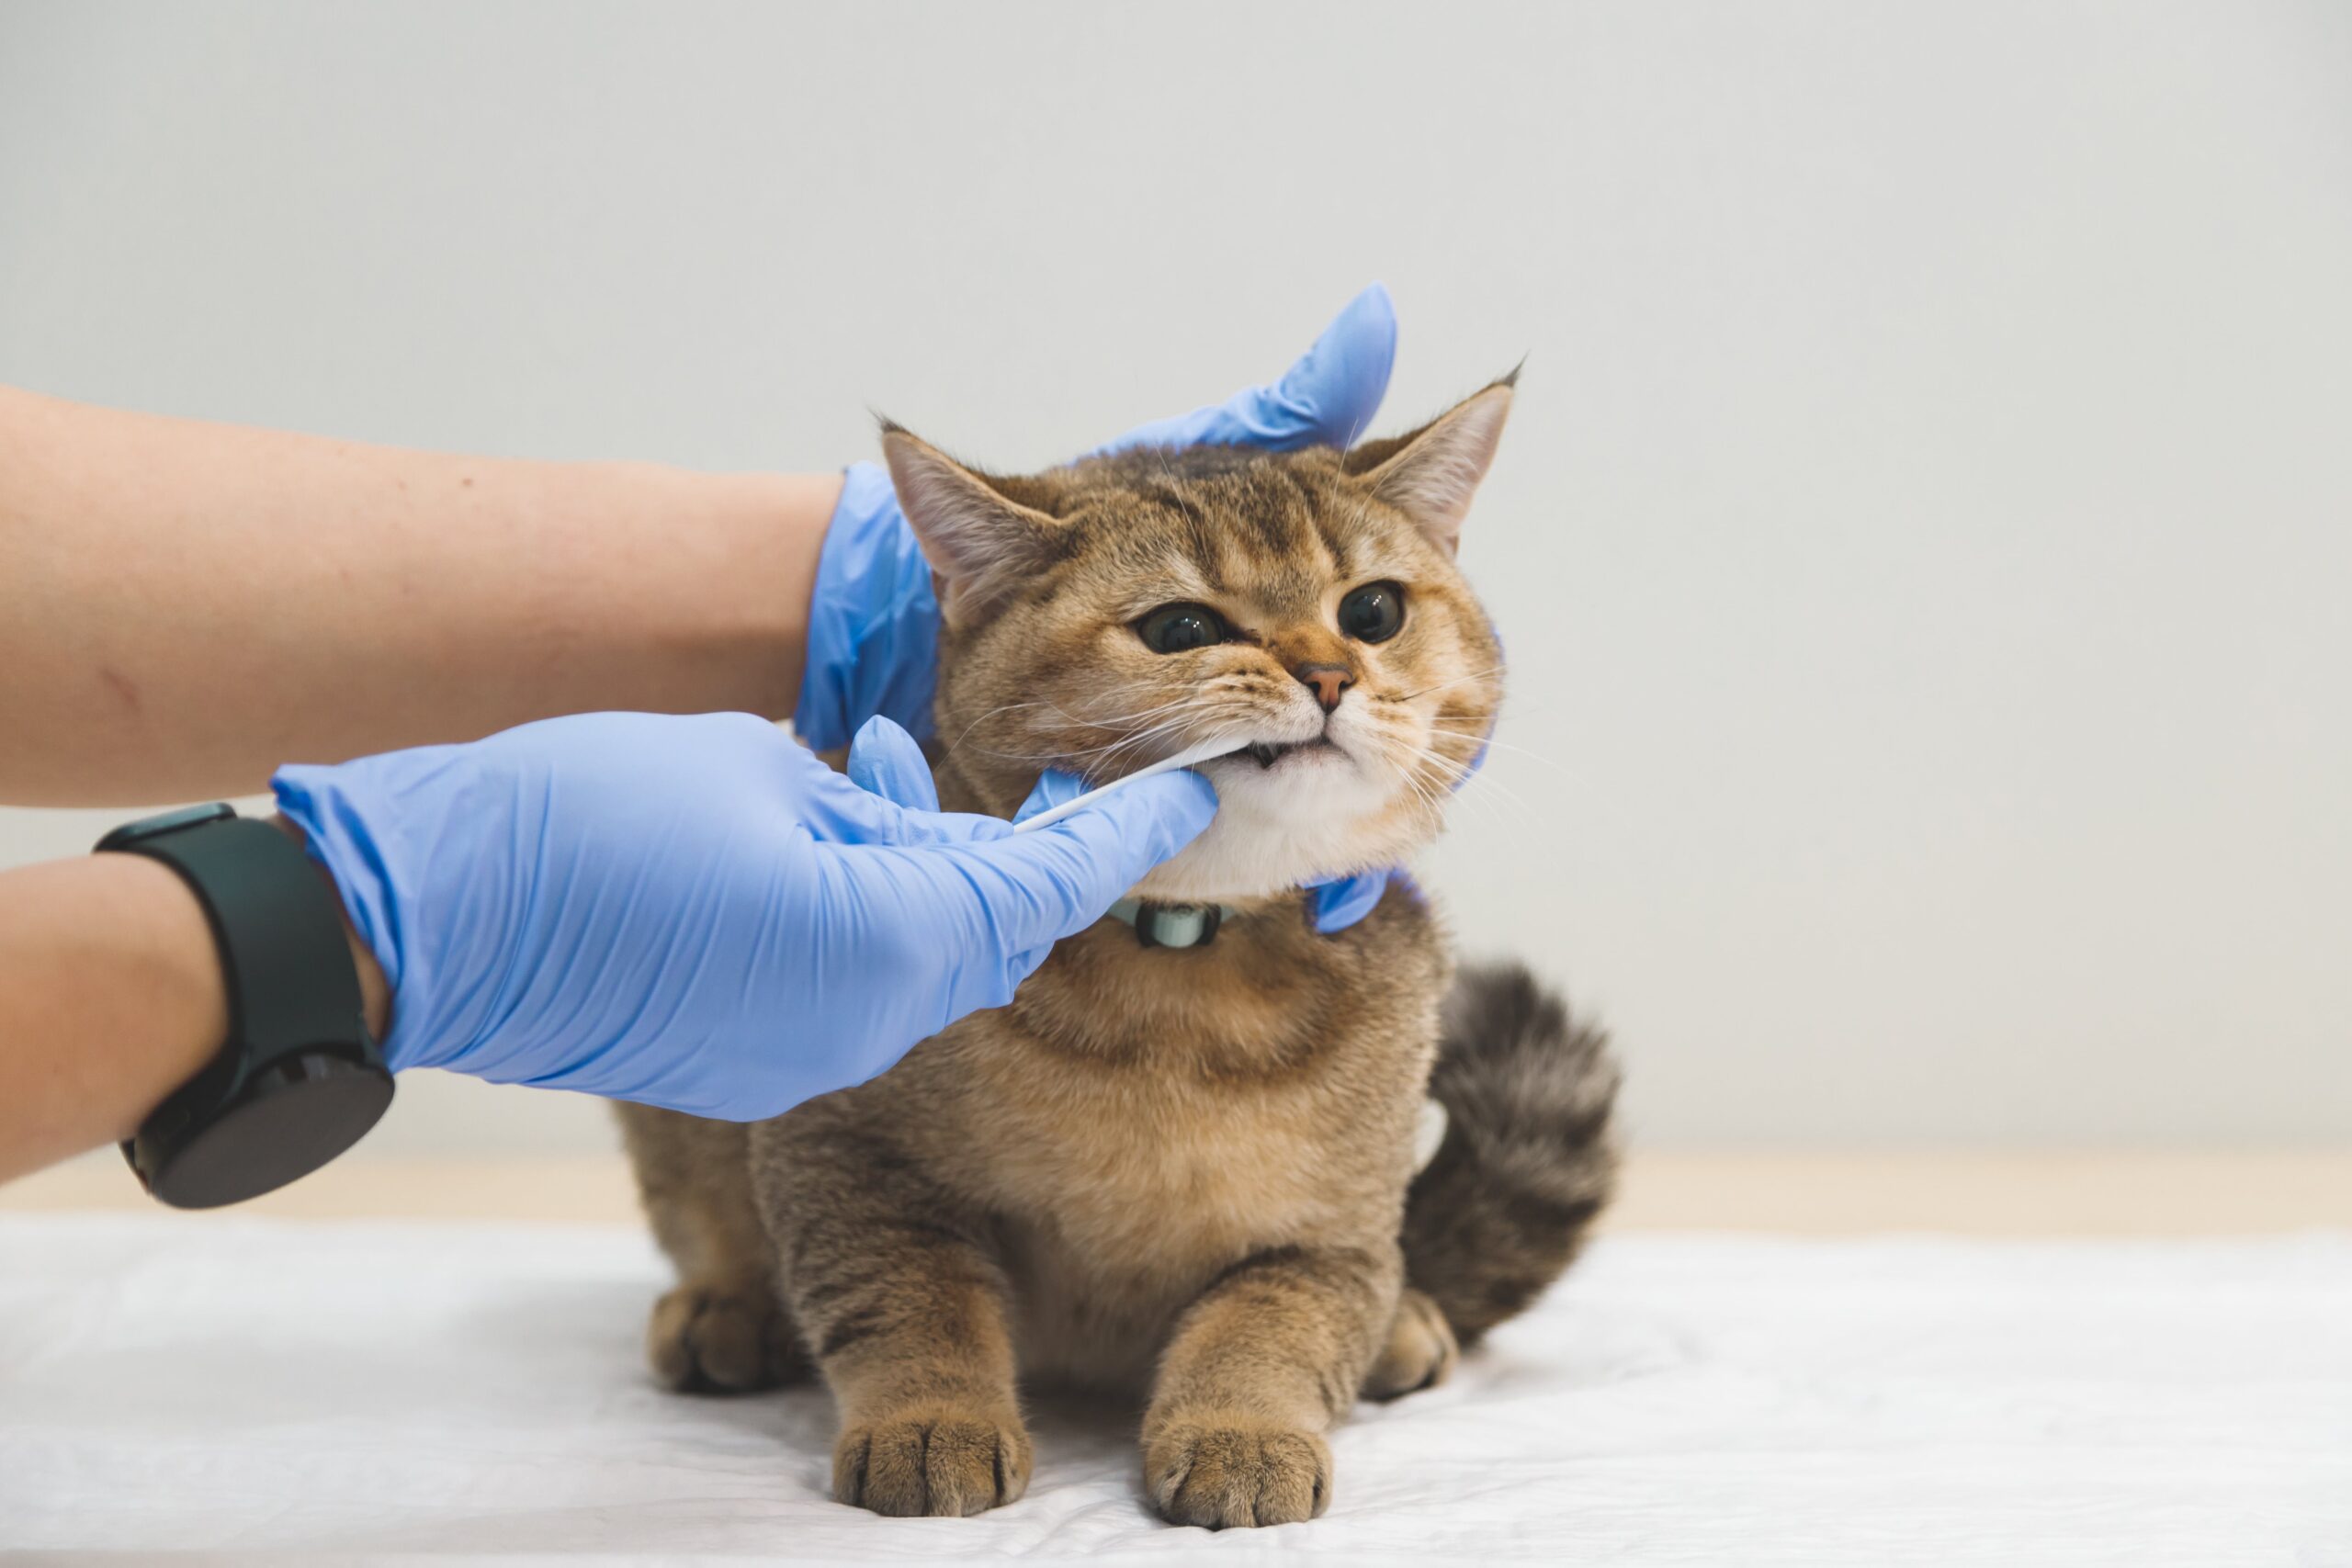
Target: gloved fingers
{"points": [[837, 810], [1338, 905], [872, 643], [1054, 787], [1486, 742], [1035, 888], [1328, 398], [884, 760]]}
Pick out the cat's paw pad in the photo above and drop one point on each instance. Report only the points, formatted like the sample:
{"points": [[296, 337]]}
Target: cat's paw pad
{"points": [[702, 1340], [1221, 1472], [943, 1464], [1420, 1351]]}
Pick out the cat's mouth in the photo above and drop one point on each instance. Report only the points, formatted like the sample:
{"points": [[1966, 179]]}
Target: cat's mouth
{"points": [[1267, 753]]}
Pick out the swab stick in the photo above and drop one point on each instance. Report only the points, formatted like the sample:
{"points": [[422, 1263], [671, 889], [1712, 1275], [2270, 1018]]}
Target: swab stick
{"points": [[1185, 759]]}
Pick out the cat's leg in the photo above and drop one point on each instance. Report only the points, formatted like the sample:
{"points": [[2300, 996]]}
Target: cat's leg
{"points": [[722, 1329], [1260, 1367], [906, 1309], [1420, 1352]]}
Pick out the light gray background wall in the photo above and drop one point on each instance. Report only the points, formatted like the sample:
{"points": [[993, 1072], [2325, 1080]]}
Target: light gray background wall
{"points": [[1923, 542]]}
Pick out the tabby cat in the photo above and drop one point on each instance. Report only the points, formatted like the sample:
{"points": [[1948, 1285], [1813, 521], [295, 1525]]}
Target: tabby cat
{"points": [[1180, 1164]]}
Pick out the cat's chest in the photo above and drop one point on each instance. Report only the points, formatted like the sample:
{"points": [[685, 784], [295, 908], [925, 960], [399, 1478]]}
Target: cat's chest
{"points": [[1115, 1203], [1136, 1122], [1161, 1117], [1209, 1074], [1166, 1177]]}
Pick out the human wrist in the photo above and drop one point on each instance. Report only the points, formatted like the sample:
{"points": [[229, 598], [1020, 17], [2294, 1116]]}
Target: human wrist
{"points": [[170, 961], [117, 999]]}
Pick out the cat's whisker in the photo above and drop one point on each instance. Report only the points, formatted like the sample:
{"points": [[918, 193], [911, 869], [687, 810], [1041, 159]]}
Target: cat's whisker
{"points": [[994, 712], [1567, 772], [1155, 719], [1409, 762], [1481, 734], [1107, 721], [1119, 722], [1084, 721], [983, 718], [1180, 717], [1483, 792], [1459, 777], [1183, 717], [1442, 686]]}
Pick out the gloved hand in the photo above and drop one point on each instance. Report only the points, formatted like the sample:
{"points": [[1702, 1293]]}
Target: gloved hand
{"points": [[694, 912], [873, 623]]}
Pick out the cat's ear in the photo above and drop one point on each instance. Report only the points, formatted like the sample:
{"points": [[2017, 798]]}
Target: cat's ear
{"points": [[1431, 474], [980, 539]]}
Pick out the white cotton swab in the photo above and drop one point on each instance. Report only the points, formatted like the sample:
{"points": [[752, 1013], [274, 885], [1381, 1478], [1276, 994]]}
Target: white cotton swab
{"points": [[1185, 759]]}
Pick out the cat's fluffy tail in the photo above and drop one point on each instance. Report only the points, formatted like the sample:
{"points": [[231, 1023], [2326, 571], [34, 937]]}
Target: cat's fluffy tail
{"points": [[1529, 1158]]}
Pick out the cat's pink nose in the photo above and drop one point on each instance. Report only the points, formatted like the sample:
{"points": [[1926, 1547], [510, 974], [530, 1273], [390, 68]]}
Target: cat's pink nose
{"points": [[1328, 680]]}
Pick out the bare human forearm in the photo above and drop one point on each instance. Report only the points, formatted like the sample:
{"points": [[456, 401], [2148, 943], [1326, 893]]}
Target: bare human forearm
{"points": [[110, 997], [185, 606]]}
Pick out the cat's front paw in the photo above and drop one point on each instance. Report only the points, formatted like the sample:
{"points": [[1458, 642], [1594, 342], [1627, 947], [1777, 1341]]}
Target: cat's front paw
{"points": [[1233, 1470], [703, 1340], [943, 1464], [1420, 1351]]}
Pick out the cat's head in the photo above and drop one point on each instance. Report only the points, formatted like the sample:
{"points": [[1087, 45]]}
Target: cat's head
{"points": [[1304, 606]]}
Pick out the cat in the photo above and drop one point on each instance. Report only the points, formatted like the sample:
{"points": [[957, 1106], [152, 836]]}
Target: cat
{"points": [[1176, 1166]]}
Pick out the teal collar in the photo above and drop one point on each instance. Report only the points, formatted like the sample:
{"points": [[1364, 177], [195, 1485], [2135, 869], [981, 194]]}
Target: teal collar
{"points": [[1172, 925]]}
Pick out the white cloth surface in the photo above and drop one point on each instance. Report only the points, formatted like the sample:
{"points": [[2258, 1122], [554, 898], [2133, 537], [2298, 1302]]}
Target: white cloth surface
{"points": [[255, 1391]]}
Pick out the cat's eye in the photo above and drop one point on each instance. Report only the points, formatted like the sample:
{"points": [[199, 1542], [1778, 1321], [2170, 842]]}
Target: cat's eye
{"points": [[1179, 628], [1374, 612]]}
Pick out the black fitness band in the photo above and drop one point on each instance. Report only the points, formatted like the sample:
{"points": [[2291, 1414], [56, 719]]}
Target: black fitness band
{"points": [[298, 1081]]}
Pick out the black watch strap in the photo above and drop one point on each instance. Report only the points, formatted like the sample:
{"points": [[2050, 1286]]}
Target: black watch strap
{"points": [[298, 1081]]}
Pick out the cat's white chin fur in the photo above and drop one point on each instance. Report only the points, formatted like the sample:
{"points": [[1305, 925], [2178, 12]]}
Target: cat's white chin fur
{"points": [[1304, 819]]}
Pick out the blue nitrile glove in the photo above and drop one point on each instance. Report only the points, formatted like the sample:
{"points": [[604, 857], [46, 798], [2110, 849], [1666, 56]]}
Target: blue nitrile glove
{"points": [[695, 912], [873, 623]]}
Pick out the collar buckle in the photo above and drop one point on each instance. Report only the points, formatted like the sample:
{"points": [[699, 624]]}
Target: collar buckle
{"points": [[1172, 925]]}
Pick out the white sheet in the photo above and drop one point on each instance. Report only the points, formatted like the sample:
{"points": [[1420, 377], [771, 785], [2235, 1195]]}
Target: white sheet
{"points": [[262, 1389]]}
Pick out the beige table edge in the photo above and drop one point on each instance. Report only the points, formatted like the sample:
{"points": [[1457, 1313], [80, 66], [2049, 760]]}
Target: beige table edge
{"points": [[2123, 1193]]}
